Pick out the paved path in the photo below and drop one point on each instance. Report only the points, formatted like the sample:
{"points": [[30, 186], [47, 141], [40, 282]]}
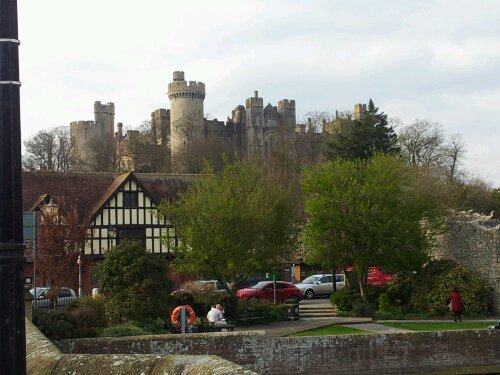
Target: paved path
{"points": [[295, 326]]}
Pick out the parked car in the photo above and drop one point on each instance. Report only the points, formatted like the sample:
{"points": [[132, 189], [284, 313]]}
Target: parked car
{"points": [[265, 290], [43, 297], [321, 284], [377, 277]]}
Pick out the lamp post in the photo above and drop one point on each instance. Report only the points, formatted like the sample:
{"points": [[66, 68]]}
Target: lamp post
{"points": [[12, 329]]}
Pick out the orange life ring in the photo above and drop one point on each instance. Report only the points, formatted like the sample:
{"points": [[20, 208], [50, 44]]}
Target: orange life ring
{"points": [[177, 311]]}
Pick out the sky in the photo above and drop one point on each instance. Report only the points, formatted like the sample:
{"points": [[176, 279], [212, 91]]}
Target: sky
{"points": [[426, 59]]}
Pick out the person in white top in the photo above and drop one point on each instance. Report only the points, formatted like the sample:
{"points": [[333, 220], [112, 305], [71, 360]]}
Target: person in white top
{"points": [[216, 316]]}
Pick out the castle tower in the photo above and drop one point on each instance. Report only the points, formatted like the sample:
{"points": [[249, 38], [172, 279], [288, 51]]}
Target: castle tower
{"points": [[359, 109], [88, 136], [104, 118], [186, 111], [286, 110], [160, 123], [254, 122]]}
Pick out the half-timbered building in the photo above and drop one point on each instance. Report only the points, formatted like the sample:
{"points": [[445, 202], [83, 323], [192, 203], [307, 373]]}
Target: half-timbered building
{"points": [[113, 208]]}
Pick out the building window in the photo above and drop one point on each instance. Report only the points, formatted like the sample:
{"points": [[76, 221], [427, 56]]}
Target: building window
{"points": [[131, 234], [129, 199]]}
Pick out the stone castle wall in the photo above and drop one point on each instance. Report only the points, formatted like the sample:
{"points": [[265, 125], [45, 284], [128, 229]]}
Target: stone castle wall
{"points": [[475, 244]]}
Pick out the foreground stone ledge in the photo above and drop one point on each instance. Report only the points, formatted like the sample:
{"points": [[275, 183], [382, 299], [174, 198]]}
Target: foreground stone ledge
{"points": [[444, 352], [43, 358]]}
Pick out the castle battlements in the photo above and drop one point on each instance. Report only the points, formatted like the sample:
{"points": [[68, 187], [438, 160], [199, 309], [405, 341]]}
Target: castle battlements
{"points": [[82, 123], [180, 88], [255, 101], [286, 104], [104, 108]]}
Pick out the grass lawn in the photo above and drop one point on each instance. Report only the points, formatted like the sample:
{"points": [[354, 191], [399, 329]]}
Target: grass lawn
{"points": [[439, 326], [331, 330]]}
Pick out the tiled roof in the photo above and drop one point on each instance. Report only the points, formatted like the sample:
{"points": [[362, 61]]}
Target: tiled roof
{"points": [[89, 191]]}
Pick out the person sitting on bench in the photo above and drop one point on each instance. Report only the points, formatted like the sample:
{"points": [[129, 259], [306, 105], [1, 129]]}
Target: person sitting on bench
{"points": [[216, 318]]}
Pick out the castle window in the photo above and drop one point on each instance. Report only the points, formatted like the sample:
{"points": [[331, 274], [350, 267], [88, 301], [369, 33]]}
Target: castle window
{"points": [[129, 199]]}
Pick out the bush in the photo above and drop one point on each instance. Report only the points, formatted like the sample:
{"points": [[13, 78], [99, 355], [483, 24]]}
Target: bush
{"points": [[427, 290], [86, 312], [363, 309], [384, 302], [123, 330], [53, 323], [345, 299], [261, 308], [133, 284]]}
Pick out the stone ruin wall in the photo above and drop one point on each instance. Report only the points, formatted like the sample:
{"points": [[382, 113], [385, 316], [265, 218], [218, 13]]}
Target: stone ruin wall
{"points": [[475, 244]]}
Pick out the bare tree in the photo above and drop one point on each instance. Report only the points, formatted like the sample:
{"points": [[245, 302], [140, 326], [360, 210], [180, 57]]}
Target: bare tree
{"points": [[50, 150], [60, 242], [424, 145], [421, 143], [103, 154], [316, 120], [454, 151]]}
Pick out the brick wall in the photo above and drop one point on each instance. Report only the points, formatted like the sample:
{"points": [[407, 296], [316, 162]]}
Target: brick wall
{"points": [[469, 351]]}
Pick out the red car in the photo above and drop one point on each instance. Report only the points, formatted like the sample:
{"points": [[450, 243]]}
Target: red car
{"points": [[264, 290], [377, 277]]}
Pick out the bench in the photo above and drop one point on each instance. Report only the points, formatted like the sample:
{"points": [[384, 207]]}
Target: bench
{"points": [[252, 316], [219, 328]]}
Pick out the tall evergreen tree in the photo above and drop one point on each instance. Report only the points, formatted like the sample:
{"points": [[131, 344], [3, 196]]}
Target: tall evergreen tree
{"points": [[362, 137]]}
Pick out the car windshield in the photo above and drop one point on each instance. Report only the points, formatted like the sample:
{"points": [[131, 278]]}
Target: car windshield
{"points": [[260, 285], [310, 280]]}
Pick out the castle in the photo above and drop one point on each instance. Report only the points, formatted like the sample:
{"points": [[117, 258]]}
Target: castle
{"points": [[253, 130]]}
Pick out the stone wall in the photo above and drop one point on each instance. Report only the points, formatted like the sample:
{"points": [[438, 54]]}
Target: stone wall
{"points": [[43, 358], [450, 352], [475, 244]]}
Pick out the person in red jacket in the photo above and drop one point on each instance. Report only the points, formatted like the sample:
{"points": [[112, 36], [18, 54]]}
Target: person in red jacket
{"points": [[456, 304]]}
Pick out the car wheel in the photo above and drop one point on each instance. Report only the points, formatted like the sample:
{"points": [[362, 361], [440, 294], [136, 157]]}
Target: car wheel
{"points": [[309, 294], [294, 298]]}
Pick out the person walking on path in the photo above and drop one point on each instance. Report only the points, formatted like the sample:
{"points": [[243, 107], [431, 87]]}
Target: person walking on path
{"points": [[456, 304]]}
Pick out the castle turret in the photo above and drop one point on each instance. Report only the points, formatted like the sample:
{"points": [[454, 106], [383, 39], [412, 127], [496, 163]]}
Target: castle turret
{"points": [[254, 122], [359, 109], [160, 123], [286, 110], [186, 111], [104, 115]]}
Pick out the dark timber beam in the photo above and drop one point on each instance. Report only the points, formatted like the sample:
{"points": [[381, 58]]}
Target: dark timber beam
{"points": [[12, 329]]}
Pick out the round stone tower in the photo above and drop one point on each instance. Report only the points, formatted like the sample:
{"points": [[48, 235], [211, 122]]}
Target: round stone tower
{"points": [[186, 111]]}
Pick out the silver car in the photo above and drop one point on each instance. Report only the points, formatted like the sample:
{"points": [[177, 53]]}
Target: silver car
{"points": [[321, 284], [43, 298]]}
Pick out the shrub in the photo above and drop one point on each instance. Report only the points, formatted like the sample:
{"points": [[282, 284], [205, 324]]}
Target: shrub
{"points": [[345, 299], [153, 326], [261, 308], [123, 330], [363, 309], [383, 302], [87, 312], [53, 323], [133, 283], [427, 290]]}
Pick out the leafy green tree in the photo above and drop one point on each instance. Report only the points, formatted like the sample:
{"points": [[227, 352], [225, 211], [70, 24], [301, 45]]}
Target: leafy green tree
{"points": [[362, 137], [364, 213], [233, 224], [133, 283]]}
